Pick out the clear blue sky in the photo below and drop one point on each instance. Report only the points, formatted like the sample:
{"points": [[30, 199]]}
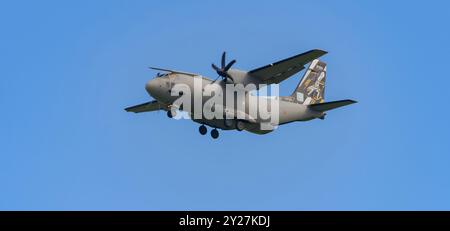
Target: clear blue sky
{"points": [[68, 68]]}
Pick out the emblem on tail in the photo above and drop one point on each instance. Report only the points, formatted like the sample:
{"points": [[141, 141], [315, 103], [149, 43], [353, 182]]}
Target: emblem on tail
{"points": [[311, 89]]}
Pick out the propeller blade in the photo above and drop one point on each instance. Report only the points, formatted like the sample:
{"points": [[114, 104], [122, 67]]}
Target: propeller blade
{"points": [[229, 65], [229, 77], [215, 79], [215, 67], [223, 59], [224, 68]]}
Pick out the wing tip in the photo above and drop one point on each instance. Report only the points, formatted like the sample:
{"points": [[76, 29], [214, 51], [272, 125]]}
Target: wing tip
{"points": [[319, 51], [128, 109]]}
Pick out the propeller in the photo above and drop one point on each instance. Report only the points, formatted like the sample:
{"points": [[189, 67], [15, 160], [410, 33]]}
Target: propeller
{"points": [[223, 70]]}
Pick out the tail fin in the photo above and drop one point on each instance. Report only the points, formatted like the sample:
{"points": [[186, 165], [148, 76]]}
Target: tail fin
{"points": [[311, 89]]}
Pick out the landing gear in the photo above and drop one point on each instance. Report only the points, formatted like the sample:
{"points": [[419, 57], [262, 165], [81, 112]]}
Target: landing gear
{"points": [[170, 114], [228, 123], [240, 125], [214, 133], [203, 130]]}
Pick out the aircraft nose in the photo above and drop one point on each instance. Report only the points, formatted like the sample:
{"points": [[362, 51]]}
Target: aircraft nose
{"points": [[151, 86]]}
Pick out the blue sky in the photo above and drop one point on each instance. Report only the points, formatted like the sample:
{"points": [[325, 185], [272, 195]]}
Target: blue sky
{"points": [[68, 68]]}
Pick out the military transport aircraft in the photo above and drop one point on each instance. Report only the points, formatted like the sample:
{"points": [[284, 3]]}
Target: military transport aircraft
{"points": [[305, 103]]}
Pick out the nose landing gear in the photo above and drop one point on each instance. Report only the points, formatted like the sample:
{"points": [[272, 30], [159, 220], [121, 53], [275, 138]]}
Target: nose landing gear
{"points": [[170, 114]]}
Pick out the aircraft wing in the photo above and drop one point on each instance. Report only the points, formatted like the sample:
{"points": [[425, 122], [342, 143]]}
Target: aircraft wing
{"points": [[173, 71], [145, 107], [281, 70]]}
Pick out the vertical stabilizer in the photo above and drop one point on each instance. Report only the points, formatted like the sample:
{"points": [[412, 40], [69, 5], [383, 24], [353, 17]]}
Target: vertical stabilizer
{"points": [[311, 89]]}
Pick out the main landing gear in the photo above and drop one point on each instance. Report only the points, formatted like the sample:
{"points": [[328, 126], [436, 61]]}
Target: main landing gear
{"points": [[214, 133], [203, 130], [238, 124]]}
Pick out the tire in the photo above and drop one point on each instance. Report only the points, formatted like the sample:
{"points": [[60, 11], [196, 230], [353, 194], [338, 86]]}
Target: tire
{"points": [[240, 125], [214, 134], [169, 114], [203, 130], [228, 123]]}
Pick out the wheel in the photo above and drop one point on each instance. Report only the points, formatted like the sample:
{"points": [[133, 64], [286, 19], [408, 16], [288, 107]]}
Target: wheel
{"points": [[170, 114], [228, 123], [203, 130], [214, 133], [240, 125]]}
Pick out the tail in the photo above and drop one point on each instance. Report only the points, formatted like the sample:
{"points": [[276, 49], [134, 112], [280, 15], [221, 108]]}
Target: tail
{"points": [[311, 89], [323, 107]]}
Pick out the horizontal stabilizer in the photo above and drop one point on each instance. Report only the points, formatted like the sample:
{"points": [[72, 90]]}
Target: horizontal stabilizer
{"points": [[322, 107], [145, 107]]}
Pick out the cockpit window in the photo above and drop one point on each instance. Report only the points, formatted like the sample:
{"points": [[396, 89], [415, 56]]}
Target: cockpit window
{"points": [[161, 75]]}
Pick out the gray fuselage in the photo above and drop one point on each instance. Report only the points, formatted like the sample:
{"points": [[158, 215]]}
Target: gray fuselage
{"points": [[161, 88]]}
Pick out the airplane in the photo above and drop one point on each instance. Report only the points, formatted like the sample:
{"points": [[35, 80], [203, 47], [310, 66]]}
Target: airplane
{"points": [[304, 104]]}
